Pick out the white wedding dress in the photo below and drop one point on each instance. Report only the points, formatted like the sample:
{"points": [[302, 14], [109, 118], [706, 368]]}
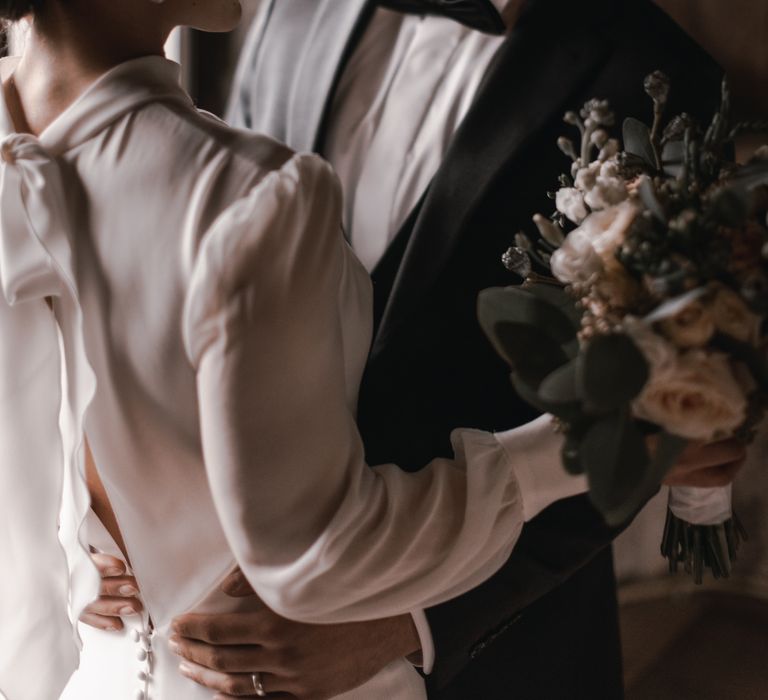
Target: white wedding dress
{"points": [[211, 327]]}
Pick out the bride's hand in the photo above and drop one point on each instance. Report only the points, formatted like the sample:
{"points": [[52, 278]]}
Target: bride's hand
{"points": [[117, 595], [707, 465]]}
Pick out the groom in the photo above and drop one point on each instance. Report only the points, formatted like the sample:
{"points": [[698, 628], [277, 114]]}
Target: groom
{"points": [[441, 118]]}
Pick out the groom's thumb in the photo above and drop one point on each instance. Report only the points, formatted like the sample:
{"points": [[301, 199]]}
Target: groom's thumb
{"points": [[236, 585]]}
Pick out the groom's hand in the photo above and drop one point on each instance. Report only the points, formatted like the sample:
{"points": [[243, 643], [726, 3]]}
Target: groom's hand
{"points": [[708, 465], [295, 660]]}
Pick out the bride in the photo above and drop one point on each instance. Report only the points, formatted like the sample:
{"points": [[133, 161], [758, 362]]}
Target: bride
{"points": [[183, 334], [181, 293]]}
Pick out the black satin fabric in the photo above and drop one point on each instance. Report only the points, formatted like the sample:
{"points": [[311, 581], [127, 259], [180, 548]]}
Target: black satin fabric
{"points": [[477, 14]]}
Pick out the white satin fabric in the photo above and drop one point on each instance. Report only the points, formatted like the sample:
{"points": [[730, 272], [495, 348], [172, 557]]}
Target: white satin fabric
{"points": [[40, 461], [702, 506], [211, 329]]}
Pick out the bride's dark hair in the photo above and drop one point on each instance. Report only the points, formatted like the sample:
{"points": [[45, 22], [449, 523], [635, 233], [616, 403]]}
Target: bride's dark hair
{"points": [[12, 10]]}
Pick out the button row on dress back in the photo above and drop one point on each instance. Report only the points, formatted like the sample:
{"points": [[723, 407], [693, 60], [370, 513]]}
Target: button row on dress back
{"points": [[143, 639]]}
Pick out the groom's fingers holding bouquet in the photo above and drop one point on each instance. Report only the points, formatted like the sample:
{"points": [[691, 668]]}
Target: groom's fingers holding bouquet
{"points": [[117, 595], [708, 465]]}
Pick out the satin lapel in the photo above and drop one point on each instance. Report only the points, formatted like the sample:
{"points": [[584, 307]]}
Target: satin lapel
{"points": [[533, 76], [336, 27]]}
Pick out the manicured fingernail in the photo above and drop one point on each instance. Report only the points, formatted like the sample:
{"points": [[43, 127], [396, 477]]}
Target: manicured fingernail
{"points": [[174, 645], [113, 572], [126, 611], [127, 590], [111, 628], [185, 669]]}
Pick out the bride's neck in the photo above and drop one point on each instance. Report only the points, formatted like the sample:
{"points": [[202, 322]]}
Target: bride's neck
{"points": [[63, 55]]}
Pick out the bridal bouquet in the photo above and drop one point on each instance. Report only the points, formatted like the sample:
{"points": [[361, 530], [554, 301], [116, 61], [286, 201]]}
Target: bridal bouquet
{"points": [[641, 321]]}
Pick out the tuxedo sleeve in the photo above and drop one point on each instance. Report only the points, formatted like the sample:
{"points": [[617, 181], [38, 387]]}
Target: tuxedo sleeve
{"points": [[545, 556]]}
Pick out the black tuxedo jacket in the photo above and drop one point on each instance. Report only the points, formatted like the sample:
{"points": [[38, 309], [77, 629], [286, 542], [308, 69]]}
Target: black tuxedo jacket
{"points": [[545, 626]]}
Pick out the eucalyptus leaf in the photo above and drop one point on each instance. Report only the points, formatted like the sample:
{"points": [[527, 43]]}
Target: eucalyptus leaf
{"points": [[673, 158], [616, 460], [559, 298], [650, 200], [526, 330], [667, 451], [637, 141], [623, 475], [530, 352], [562, 386], [611, 371], [568, 412]]}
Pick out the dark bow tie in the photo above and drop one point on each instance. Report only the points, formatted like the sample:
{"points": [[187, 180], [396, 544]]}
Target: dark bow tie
{"points": [[478, 14]]}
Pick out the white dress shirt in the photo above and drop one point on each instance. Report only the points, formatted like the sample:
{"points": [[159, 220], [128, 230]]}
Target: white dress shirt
{"points": [[214, 326], [407, 87], [405, 91]]}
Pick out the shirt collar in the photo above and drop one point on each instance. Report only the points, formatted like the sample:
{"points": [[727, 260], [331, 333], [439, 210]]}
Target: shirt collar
{"points": [[122, 89]]}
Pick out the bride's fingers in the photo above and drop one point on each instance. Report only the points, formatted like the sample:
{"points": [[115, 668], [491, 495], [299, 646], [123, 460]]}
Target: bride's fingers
{"points": [[108, 565], [227, 659], [239, 685], [115, 607], [119, 587], [101, 622]]}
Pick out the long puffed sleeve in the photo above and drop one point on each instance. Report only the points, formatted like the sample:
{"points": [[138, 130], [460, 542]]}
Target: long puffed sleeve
{"points": [[277, 324]]}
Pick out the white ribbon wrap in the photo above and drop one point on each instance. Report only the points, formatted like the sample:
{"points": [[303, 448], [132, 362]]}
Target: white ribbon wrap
{"points": [[44, 395], [702, 506]]}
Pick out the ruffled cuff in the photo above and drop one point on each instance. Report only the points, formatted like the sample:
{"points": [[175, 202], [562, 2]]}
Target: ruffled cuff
{"points": [[534, 451], [426, 660]]}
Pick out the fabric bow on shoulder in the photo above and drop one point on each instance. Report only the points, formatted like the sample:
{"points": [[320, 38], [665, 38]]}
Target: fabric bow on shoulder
{"points": [[46, 384]]}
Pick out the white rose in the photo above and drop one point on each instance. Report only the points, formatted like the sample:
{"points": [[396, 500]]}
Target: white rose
{"points": [[587, 177], [591, 248], [609, 188], [608, 229], [698, 399], [570, 201], [575, 261], [691, 327], [610, 150], [732, 316]]}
